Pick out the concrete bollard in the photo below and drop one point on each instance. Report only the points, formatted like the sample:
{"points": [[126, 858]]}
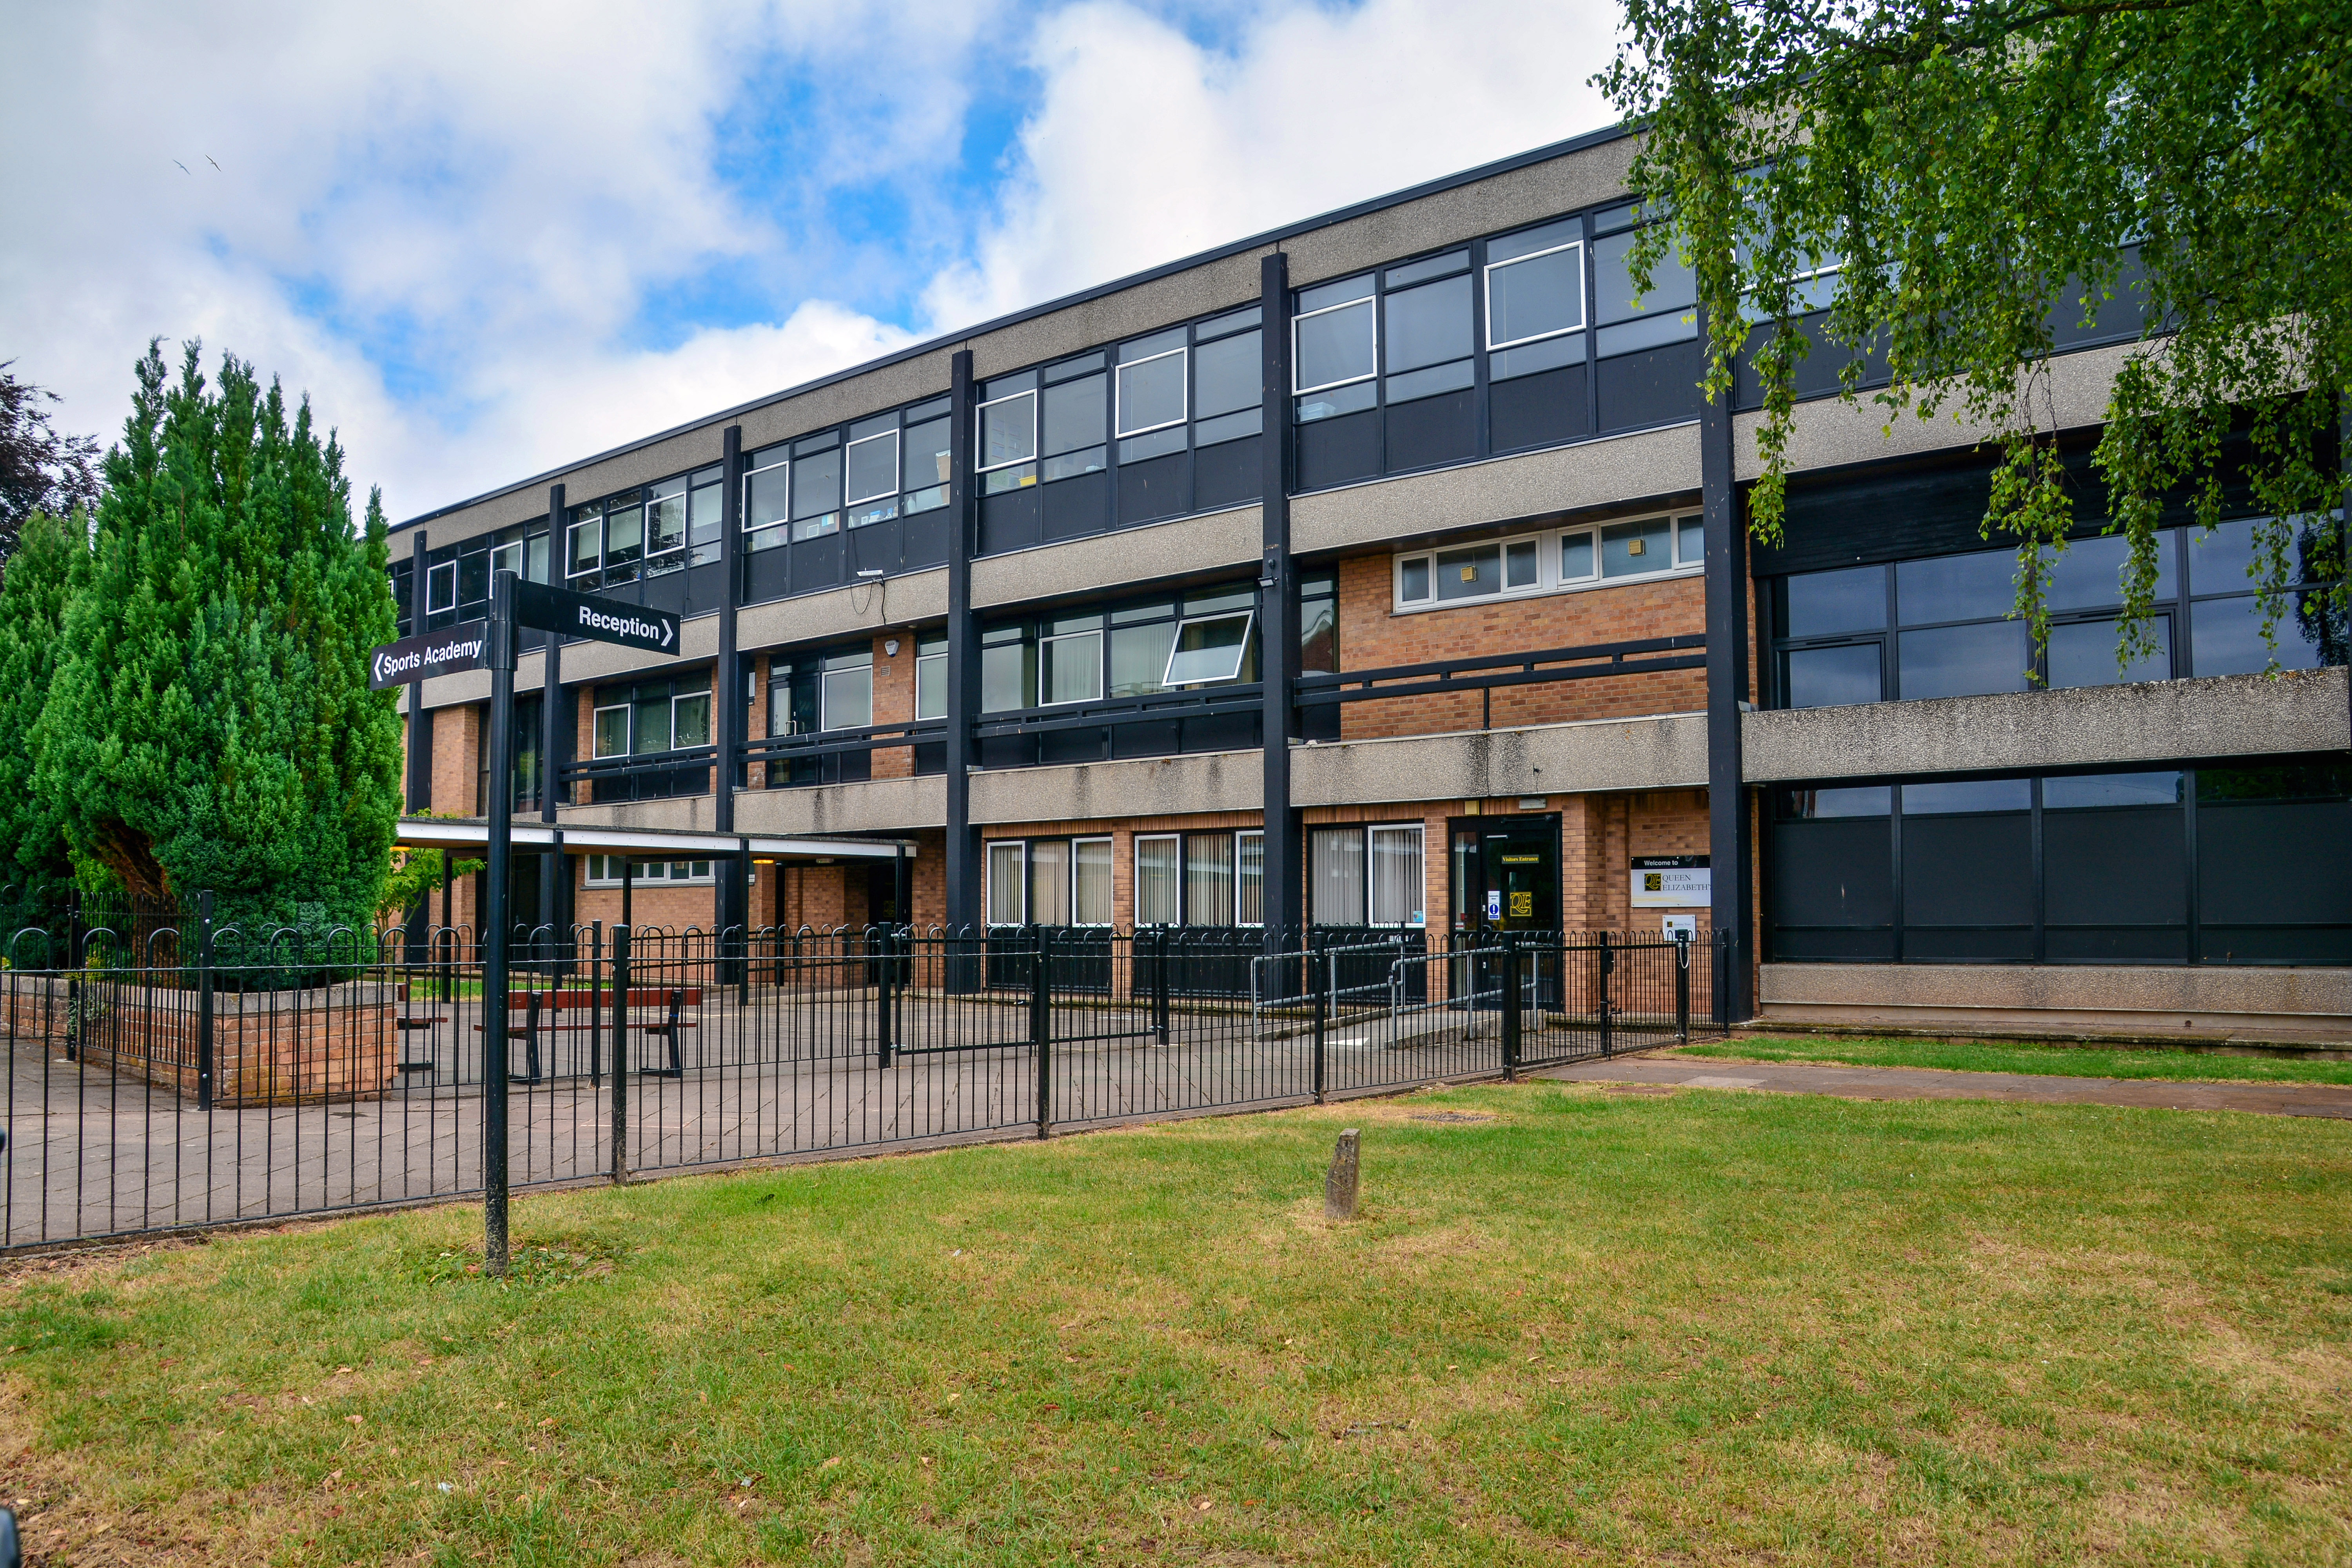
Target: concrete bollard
{"points": [[1339, 1184]]}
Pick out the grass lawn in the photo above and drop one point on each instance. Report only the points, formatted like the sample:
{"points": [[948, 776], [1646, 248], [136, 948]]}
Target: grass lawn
{"points": [[1573, 1325], [2063, 1061]]}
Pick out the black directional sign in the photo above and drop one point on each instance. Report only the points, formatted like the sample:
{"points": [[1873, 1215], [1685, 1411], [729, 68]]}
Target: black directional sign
{"points": [[466, 645], [566, 614]]}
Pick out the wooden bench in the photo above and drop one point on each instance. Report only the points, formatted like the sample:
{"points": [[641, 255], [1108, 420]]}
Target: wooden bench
{"points": [[673, 1001]]}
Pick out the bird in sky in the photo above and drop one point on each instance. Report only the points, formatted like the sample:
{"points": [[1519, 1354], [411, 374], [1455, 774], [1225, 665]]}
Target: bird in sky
{"points": [[183, 168], [215, 163]]}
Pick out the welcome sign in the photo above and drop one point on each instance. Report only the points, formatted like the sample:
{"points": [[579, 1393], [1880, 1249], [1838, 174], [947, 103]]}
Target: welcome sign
{"points": [[466, 645]]}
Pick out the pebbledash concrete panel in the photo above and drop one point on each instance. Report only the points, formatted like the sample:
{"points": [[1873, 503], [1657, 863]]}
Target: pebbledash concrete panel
{"points": [[2197, 998], [1663, 752], [1144, 786], [1567, 184], [846, 611], [1829, 433], [1617, 470], [682, 814], [877, 805], [1132, 557], [2150, 722], [1222, 283]]}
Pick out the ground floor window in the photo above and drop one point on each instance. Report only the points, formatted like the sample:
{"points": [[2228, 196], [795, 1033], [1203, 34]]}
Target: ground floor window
{"points": [[604, 871], [1049, 881], [2215, 863], [1210, 878], [1366, 875]]}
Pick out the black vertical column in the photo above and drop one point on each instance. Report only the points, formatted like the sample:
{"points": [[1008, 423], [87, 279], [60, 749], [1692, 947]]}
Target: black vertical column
{"points": [[1730, 845], [420, 722], [1277, 582], [555, 869], [965, 907], [734, 888]]}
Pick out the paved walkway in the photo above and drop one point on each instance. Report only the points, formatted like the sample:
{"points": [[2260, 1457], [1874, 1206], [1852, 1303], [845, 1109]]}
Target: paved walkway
{"points": [[1925, 1083]]}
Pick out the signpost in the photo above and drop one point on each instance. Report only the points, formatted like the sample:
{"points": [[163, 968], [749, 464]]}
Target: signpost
{"points": [[560, 613], [465, 645]]}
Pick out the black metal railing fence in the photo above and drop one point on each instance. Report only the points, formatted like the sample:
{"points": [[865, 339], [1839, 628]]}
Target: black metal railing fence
{"points": [[202, 1076]]}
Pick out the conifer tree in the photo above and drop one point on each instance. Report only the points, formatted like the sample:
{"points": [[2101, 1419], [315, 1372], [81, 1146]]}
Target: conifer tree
{"points": [[51, 563], [210, 724]]}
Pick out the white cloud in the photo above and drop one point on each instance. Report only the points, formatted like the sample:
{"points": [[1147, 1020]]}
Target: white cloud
{"points": [[462, 228], [1146, 146]]}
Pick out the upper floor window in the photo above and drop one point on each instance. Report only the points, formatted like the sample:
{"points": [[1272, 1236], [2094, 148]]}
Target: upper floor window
{"points": [[1588, 555], [1941, 626], [820, 692], [1006, 456], [1335, 343], [1628, 323], [646, 532], [869, 472], [1129, 650], [641, 718]]}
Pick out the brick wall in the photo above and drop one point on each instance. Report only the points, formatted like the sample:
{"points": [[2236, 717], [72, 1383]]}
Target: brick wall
{"points": [[1371, 634]]}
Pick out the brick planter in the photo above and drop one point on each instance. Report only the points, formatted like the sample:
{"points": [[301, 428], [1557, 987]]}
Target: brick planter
{"points": [[268, 1048]]}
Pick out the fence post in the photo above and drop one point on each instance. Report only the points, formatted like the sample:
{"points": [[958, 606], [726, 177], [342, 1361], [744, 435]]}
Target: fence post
{"points": [[1041, 1028], [204, 1000], [1322, 1012], [883, 1006], [73, 975], [1159, 982], [620, 1055], [1510, 989], [596, 1002], [1608, 1008], [1682, 987]]}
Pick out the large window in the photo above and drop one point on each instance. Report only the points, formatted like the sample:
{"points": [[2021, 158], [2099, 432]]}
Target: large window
{"points": [[1049, 881], [647, 718], [1939, 626], [2156, 866], [810, 692], [1590, 555], [852, 476], [1366, 875], [1131, 649], [1215, 878]]}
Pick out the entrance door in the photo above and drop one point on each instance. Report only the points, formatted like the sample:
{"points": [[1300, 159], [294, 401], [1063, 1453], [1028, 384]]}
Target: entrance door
{"points": [[1506, 879], [1506, 875]]}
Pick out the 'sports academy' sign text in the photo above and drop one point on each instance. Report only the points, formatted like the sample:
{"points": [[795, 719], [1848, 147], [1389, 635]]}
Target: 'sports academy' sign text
{"points": [[445, 652]]}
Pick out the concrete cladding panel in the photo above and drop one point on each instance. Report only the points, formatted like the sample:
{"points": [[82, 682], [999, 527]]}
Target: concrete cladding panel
{"points": [[1148, 786], [2199, 998], [910, 600], [2154, 721], [686, 813], [1665, 752], [1829, 433], [1523, 195], [1131, 556], [1651, 465], [1220, 285], [878, 806]]}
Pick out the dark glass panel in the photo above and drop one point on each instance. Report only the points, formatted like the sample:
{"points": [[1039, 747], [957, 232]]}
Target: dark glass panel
{"points": [[1432, 430], [1833, 677], [1538, 410], [1340, 450], [1962, 661], [2083, 653], [1979, 586]]}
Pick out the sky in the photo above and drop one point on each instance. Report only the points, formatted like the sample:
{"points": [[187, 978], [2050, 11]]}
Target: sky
{"points": [[488, 239]]}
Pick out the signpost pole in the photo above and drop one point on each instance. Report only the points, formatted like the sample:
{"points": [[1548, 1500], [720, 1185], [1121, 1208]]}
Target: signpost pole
{"points": [[494, 922]]}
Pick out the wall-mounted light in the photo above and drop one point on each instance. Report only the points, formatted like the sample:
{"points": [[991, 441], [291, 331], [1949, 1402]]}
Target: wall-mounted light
{"points": [[870, 571]]}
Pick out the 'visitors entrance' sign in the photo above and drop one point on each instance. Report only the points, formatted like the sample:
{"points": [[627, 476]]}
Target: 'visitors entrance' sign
{"points": [[466, 645], [570, 615]]}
